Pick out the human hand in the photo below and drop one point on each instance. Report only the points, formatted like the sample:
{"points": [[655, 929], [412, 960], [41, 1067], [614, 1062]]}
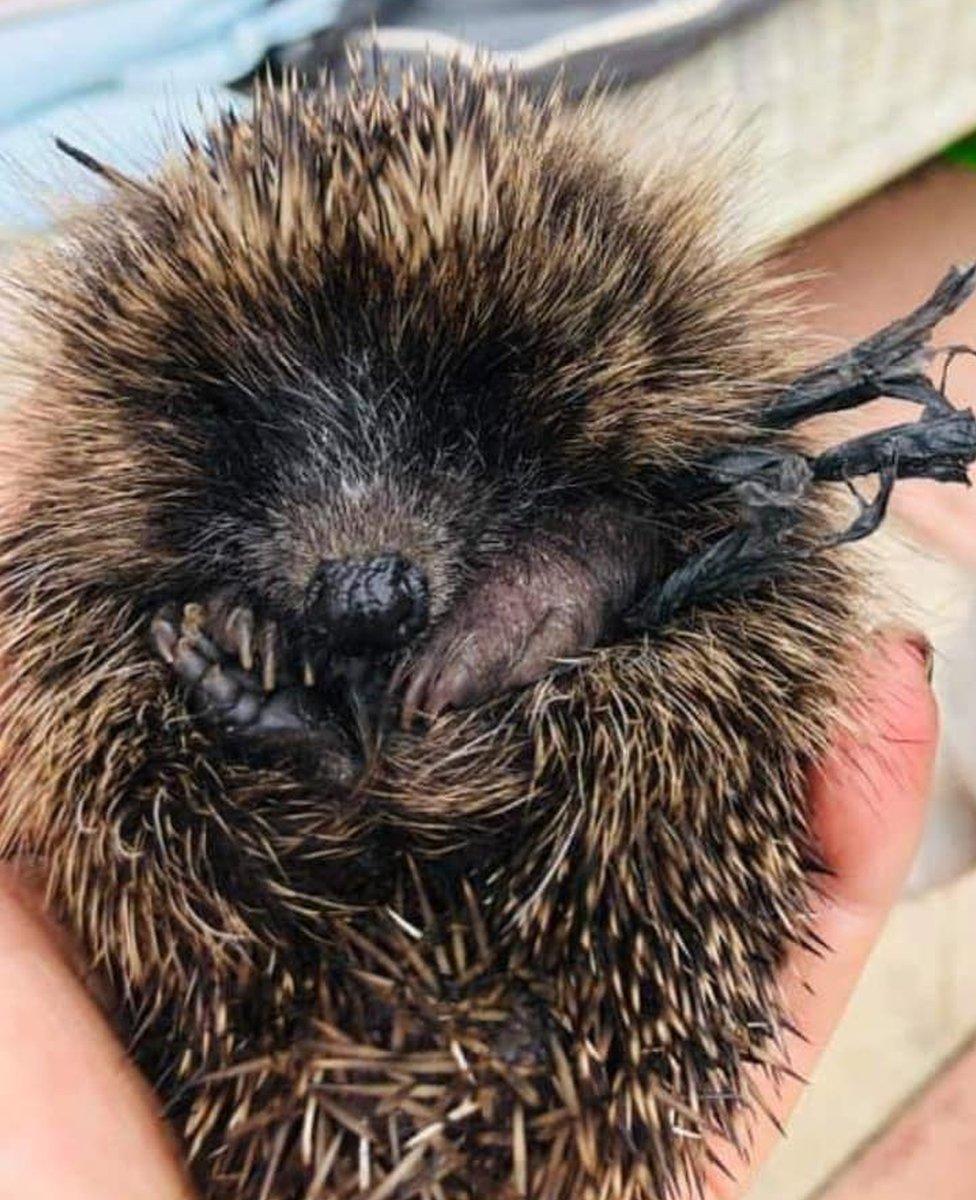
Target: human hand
{"points": [[76, 1120], [78, 1123], [868, 806]]}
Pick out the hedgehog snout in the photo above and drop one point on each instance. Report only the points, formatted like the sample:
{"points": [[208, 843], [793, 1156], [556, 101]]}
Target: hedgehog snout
{"points": [[367, 607]]}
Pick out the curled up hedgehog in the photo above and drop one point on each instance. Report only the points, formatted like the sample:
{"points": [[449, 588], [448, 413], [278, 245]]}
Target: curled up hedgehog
{"points": [[419, 614]]}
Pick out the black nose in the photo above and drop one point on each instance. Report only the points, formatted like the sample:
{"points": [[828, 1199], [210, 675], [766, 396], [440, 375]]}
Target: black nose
{"points": [[367, 606]]}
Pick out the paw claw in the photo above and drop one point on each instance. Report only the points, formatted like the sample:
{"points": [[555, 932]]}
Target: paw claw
{"points": [[201, 643], [241, 621], [194, 615], [269, 663], [164, 636], [413, 704]]}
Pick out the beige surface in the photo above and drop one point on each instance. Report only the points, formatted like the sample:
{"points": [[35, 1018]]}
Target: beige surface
{"points": [[831, 99], [930, 1149], [913, 1008]]}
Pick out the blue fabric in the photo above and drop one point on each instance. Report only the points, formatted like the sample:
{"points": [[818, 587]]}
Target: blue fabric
{"points": [[114, 75]]}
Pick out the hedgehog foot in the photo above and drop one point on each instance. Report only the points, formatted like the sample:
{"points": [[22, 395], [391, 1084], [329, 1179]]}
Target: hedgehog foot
{"points": [[506, 634], [232, 665], [538, 610]]}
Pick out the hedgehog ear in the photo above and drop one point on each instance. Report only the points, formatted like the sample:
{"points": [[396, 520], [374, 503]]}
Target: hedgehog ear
{"points": [[103, 170], [772, 484]]}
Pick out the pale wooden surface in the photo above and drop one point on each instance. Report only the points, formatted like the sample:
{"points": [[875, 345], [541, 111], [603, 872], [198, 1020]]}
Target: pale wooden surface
{"points": [[830, 99], [930, 1150]]}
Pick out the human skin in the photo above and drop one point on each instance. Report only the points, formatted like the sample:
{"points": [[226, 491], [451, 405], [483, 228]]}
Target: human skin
{"points": [[78, 1123], [868, 801]]}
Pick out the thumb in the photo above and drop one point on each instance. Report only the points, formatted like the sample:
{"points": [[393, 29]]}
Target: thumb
{"points": [[868, 799], [76, 1120]]}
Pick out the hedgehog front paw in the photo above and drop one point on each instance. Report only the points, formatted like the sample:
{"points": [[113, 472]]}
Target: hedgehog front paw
{"points": [[492, 645], [232, 666]]}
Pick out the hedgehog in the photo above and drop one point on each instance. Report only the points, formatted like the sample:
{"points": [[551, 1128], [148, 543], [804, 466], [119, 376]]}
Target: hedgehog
{"points": [[419, 614]]}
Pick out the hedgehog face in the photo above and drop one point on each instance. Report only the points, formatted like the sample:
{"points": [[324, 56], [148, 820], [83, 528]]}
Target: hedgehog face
{"points": [[391, 401], [398, 383], [348, 529]]}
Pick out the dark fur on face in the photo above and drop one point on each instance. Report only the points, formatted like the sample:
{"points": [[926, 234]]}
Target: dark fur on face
{"points": [[414, 329], [350, 441]]}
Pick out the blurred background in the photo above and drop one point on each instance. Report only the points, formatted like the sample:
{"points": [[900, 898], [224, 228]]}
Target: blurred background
{"points": [[854, 123]]}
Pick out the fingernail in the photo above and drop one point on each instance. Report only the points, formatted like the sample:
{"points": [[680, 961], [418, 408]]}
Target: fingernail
{"points": [[918, 641]]}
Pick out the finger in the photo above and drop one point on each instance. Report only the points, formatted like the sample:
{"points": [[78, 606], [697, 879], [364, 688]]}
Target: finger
{"points": [[76, 1121], [868, 801]]}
